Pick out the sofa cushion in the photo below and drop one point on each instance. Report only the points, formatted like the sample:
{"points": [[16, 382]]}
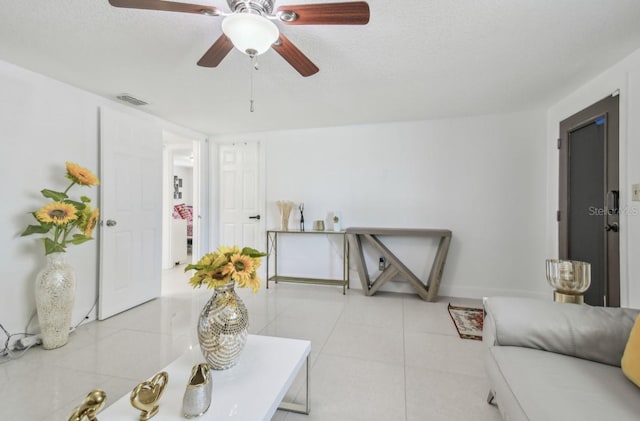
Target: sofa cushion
{"points": [[593, 333], [631, 358], [549, 386]]}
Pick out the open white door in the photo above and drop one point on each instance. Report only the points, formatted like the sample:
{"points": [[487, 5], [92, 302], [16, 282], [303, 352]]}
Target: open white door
{"points": [[131, 206], [241, 196]]}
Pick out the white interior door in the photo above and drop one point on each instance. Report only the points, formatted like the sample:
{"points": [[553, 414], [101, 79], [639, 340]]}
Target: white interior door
{"points": [[131, 206], [241, 195]]}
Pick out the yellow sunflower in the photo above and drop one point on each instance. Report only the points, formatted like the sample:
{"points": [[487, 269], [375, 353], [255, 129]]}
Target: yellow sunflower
{"points": [[213, 259], [81, 175], [58, 213], [240, 268], [253, 281], [257, 261], [211, 278], [228, 250], [207, 259], [91, 223]]}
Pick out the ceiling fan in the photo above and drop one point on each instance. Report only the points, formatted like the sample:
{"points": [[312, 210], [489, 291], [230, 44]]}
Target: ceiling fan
{"points": [[250, 28]]}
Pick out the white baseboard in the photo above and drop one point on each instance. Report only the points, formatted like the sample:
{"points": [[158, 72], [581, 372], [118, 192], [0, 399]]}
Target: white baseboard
{"points": [[460, 291], [475, 292]]}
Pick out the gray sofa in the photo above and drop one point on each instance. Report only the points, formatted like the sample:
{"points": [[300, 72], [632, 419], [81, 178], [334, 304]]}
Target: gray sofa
{"points": [[552, 361]]}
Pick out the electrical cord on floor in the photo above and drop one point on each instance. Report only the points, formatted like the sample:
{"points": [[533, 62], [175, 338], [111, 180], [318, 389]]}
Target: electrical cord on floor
{"points": [[7, 353], [86, 316], [5, 350]]}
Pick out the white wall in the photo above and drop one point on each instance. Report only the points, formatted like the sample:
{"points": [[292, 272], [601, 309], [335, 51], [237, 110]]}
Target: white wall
{"points": [[483, 178], [624, 76], [44, 123]]}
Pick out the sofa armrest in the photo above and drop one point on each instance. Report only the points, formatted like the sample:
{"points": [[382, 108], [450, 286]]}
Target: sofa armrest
{"points": [[593, 333]]}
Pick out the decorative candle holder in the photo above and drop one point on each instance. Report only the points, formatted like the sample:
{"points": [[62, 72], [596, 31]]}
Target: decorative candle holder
{"points": [[569, 278]]}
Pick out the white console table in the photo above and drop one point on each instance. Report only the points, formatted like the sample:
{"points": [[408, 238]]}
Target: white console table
{"points": [[252, 390]]}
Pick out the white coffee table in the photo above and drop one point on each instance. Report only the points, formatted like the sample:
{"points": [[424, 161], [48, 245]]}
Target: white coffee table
{"points": [[252, 390]]}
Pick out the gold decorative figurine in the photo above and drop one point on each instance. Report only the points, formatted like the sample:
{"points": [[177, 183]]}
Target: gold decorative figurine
{"points": [[146, 395], [92, 404]]}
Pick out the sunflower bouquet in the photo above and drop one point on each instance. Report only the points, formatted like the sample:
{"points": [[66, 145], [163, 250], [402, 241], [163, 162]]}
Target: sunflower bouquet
{"points": [[64, 221], [227, 264]]}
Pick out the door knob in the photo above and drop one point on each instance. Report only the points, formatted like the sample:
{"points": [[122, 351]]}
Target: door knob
{"points": [[255, 217], [612, 227], [111, 223]]}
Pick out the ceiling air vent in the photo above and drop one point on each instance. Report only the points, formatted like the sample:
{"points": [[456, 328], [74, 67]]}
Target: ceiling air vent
{"points": [[131, 100]]}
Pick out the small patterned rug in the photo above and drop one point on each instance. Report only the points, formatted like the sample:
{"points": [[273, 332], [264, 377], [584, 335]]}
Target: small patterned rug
{"points": [[468, 321]]}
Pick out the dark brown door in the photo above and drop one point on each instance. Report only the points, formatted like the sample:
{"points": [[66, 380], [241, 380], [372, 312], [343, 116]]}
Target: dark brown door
{"points": [[589, 197]]}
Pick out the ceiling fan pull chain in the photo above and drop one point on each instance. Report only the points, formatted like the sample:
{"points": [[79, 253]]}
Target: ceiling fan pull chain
{"points": [[254, 66]]}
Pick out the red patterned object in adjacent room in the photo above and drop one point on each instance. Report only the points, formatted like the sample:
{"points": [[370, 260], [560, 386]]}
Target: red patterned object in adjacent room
{"points": [[185, 212]]}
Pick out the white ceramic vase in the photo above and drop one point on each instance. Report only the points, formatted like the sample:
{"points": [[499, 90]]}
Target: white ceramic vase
{"points": [[55, 293]]}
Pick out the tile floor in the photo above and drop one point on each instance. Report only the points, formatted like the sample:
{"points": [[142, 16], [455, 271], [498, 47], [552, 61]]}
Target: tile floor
{"points": [[383, 358]]}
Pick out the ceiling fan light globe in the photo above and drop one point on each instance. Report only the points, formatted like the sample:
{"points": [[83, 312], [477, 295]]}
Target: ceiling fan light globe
{"points": [[250, 33]]}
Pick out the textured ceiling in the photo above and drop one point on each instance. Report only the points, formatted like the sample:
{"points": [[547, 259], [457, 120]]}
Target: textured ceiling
{"points": [[416, 59]]}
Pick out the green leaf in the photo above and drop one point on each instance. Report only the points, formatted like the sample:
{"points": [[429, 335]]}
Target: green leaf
{"points": [[202, 267], [52, 247], [191, 267], [85, 199], [248, 251], [78, 205], [55, 195], [79, 239], [36, 229]]}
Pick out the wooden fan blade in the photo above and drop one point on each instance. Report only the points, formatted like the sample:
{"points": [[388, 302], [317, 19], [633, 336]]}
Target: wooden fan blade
{"points": [[217, 52], [348, 13], [167, 6], [294, 57]]}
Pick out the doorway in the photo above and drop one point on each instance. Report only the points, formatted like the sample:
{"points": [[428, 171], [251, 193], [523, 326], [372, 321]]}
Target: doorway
{"points": [[588, 218], [182, 207], [241, 189]]}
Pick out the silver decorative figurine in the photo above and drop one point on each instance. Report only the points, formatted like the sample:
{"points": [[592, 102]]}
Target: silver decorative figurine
{"points": [[197, 397]]}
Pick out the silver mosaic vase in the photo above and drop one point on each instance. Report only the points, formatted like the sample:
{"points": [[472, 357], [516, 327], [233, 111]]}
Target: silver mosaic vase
{"points": [[222, 328], [55, 293]]}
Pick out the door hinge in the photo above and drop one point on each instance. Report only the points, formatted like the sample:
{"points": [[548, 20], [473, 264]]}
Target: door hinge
{"points": [[558, 216], [559, 142]]}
